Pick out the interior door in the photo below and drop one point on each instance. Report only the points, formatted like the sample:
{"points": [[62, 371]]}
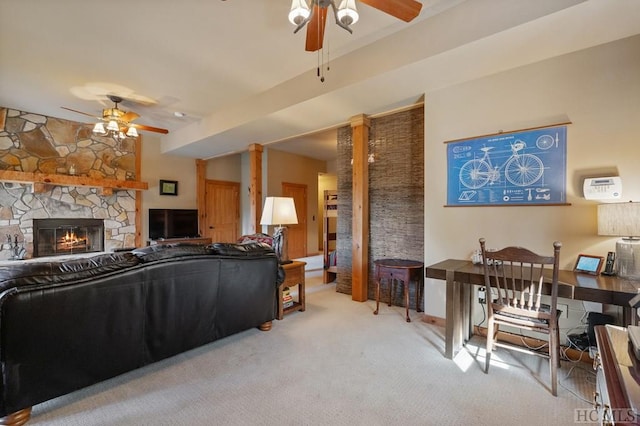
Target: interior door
{"points": [[222, 220], [297, 234]]}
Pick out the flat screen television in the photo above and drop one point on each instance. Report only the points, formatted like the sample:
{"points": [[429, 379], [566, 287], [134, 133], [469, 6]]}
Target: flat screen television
{"points": [[173, 223]]}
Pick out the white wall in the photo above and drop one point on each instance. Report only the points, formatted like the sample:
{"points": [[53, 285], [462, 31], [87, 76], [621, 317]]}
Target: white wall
{"points": [[598, 90], [156, 166], [291, 168], [227, 168]]}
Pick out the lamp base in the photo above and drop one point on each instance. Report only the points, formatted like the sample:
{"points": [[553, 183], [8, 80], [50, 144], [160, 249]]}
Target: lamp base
{"points": [[280, 245], [628, 258]]}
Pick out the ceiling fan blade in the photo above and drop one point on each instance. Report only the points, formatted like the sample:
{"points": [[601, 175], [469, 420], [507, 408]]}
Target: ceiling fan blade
{"points": [[129, 116], [315, 29], [149, 128], [83, 113], [405, 10]]}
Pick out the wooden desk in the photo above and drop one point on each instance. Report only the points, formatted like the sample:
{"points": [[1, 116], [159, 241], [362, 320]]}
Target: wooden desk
{"points": [[458, 274], [294, 276]]}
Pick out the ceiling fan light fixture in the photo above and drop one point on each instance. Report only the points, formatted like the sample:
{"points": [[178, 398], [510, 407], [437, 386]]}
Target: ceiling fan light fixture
{"points": [[347, 12], [99, 129], [132, 132], [112, 126], [300, 11]]}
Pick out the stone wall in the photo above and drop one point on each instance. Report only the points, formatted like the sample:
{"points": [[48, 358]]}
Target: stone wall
{"points": [[396, 196], [36, 143]]}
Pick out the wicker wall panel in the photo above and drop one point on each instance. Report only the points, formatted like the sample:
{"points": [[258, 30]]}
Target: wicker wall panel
{"points": [[396, 196]]}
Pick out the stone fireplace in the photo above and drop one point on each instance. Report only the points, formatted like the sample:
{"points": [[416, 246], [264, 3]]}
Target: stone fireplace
{"points": [[47, 146], [56, 237]]}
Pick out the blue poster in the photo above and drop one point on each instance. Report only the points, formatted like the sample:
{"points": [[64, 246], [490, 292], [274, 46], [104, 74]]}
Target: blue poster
{"points": [[526, 167]]}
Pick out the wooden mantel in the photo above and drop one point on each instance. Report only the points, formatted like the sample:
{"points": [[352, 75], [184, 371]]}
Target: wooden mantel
{"points": [[41, 179]]}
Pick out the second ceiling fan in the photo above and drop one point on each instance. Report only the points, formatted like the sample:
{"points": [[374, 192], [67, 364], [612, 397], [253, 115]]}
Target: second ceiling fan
{"points": [[314, 15]]}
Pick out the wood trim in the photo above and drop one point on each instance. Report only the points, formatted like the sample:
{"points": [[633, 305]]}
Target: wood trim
{"points": [[201, 194], [360, 209], [64, 180], [502, 132], [437, 321], [138, 206], [255, 186]]}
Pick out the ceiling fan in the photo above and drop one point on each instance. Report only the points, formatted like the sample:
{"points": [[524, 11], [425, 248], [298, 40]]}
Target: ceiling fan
{"points": [[314, 15], [119, 122]]}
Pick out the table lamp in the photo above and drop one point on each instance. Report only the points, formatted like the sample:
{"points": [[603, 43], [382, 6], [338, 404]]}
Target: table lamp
{"points": [[623, 220], [279, 211]]}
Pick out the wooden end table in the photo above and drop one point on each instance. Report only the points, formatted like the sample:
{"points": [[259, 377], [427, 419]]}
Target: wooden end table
{"points": [[294, 276], [399, 270]]}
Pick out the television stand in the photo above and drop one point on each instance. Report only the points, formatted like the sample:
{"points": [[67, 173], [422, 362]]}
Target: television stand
{"points": [[194, 240]]}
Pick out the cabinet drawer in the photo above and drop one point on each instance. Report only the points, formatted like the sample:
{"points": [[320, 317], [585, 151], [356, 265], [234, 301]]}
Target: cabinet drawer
{"points": [[293, 276], [601, 397]]}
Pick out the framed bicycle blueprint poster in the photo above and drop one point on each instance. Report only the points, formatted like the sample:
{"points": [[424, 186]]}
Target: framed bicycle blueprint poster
{"points": [[525, 167]]}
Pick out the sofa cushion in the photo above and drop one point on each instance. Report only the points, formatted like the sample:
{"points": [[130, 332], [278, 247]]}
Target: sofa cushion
{"points": [[62, 271]]}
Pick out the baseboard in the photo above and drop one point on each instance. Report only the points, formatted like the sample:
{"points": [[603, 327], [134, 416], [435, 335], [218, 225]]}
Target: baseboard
{"points": [[515, 339], [440, 322]]}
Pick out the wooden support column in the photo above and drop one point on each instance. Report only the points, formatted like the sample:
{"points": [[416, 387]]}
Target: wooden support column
{"points": [[201, 196], [360, 209], [255, 186], [138, 224]]}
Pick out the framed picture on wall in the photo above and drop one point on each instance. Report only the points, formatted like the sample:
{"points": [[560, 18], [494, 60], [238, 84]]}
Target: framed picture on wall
{"points": [[526, 167], [168, 187]]}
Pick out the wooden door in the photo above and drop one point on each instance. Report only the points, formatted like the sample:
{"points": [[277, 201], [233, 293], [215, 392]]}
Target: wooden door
{"points": [[222, 215], [297, 234]]}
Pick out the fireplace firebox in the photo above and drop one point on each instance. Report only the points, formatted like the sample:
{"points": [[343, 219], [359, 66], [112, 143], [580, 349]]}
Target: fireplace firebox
{"points": [[56, 237]]}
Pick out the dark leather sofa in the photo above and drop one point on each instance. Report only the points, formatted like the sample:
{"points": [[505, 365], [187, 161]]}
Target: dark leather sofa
{"points": [[67, 325]]}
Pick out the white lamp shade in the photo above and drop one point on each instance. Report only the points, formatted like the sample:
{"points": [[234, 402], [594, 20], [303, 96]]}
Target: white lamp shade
{"points": [[113, 126], [299, 11], [279, 211], [619, 219], [132, 132], [347, 13], [99, 128]]}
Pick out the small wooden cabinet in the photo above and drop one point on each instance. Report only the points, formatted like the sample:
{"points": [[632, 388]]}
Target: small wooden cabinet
{"points": [[617, 395], [294, 276]]}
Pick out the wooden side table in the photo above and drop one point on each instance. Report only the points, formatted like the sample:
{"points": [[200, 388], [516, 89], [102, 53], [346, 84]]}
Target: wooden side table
{"points": [[399, 270], [294, 275]]}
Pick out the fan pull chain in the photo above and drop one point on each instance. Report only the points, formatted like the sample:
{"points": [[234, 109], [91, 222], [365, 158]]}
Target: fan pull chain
{"points": [[320, 70], [328, 54]]}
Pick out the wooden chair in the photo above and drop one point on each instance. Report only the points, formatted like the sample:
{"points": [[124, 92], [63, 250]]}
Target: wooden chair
{"points": [[514, 280]]}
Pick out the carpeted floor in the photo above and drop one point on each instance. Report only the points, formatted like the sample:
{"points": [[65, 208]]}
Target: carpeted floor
{"points": [[334, 364]]}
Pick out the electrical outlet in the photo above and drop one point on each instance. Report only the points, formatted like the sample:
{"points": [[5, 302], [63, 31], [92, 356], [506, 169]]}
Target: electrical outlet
{"points": [[565, 309], [482, 295]]}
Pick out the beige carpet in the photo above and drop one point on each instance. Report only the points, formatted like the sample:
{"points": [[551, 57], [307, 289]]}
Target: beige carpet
{"points": [[335, 364]]}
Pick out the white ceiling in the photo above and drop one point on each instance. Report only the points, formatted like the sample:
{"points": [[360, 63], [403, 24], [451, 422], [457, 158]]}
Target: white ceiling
{"points": [[241, 76]]}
